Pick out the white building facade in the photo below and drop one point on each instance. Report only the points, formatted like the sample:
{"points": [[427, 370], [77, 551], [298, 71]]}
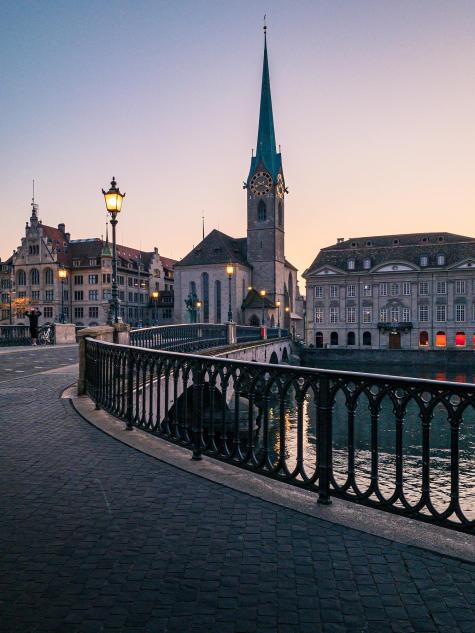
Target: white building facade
{"points": [[412, 291]]}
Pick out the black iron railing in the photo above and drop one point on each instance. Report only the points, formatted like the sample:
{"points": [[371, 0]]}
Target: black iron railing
{"points": [[180, 338], [247, 333], [318, 429], [12, 335]]}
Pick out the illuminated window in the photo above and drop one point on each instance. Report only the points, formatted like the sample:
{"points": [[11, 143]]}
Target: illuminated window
{"points": [[460, 339], [318, 315], [367, 290], [441, 339], [367, 314], [423, 339]]}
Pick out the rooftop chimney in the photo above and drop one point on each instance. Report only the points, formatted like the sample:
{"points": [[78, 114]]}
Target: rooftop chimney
{"points": [[339, 240], [62, 227]]}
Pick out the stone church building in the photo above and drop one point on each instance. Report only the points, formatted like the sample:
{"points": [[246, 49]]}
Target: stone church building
{"points": [[258, 260]]}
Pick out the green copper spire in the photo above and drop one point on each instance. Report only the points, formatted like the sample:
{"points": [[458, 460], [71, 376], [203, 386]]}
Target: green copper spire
{"points": [[266, 151]]}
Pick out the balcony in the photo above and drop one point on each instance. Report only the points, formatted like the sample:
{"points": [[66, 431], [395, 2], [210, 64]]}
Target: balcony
{"points": [[395, 326]]}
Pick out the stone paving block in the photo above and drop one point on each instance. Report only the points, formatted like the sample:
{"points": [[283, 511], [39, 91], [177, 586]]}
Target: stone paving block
{"points": [[171, 552]]}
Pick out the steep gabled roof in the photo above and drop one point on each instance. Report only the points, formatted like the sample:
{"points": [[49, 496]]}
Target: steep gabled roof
{"points": [[167, 262], [217, 248]]}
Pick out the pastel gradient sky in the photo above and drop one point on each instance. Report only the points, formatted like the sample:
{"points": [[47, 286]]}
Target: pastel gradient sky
{"points": [[374, 106]]}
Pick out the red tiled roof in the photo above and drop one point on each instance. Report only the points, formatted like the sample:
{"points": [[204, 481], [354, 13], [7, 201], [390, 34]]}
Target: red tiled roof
{"points": [[167, 262]]}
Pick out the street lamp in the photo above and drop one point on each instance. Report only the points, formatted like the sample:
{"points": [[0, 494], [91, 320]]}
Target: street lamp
{"points": [[198, 307], [113, 199], [277, 303], [62, 274], [155, 295], [263, 295], [230, 273]]}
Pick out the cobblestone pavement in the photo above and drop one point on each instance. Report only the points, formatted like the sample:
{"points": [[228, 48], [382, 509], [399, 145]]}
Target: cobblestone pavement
{"points": [[95, 536]]}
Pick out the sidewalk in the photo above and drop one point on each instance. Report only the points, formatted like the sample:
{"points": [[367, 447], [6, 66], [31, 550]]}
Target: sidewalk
{"points": [[98, 537]]}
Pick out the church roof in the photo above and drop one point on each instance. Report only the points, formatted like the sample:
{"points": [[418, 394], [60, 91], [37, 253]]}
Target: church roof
{"points": [[217, 248], [266, 152], [402, 247], [254, 300]]}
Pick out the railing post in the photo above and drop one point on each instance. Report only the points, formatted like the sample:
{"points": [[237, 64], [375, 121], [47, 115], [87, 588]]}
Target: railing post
{"points": [[196, 426], [130, 390], [324, 421]]}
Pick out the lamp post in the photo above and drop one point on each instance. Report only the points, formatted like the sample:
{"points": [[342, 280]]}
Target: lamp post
{"points": [[113, 199], [277, 303], [230, 273], [263, 295], [155, 295], [62, 274], [198, 308]]}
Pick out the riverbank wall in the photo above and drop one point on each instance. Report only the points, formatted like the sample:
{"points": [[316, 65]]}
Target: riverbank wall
{"points": [[438, 359]]}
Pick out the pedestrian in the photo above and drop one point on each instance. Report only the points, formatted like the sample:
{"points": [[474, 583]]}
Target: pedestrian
{"points": [[33, 316]]}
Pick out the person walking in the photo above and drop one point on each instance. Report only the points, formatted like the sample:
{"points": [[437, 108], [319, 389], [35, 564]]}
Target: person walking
{"points": [[33, 316]]}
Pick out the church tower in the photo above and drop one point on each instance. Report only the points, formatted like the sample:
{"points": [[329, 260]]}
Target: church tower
{"points": [[265, 189]]}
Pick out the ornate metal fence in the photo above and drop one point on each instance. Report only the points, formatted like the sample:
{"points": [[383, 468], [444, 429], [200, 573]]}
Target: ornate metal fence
{"points": [[247, 333], [318, 429], [12, 335], [182, 338]]}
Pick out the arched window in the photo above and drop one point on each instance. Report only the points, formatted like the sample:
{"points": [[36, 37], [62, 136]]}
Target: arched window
{"points": [[205, 293], [319, 339], [48, 277], [217, 301], [280, 214], [423, 339], [21, 278], [366, 338], [350, 339], [441, 339], [291, 292], [35, 277], [460, 339], [261, 211], [334, 338]]}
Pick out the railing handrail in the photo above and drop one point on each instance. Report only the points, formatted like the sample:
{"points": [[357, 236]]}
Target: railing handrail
{"points": [[307, 370], [175, 325]]}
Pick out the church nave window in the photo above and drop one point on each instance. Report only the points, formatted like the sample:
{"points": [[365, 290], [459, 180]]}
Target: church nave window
{"points": [[261, 211]]}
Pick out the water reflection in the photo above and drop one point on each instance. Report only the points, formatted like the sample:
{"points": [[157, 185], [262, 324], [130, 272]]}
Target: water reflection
{"points": [[440, 442]]}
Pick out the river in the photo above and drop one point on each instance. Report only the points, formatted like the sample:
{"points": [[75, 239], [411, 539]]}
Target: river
{"points": [[412, 441]]}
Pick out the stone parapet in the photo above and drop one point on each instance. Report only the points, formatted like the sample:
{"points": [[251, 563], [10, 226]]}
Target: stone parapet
{"points": [[64, 333]]}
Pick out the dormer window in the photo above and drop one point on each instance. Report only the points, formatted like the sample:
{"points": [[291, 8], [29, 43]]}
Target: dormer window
{"points": [[369, 243], [424, 261], [350, 264], [75, 263], [440, 238], [396, 241], [424, 239], [93, 262], [353, 244], [367, 263], [440, 259]]}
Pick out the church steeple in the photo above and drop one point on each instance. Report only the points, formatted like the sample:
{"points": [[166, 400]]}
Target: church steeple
{"points": [[266, 152]]}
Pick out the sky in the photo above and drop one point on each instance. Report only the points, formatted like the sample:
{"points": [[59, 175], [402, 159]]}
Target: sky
{"points": [[374, 108]]}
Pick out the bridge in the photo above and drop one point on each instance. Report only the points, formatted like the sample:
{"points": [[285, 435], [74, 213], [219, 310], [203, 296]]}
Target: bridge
{"points": [[236, 400]]}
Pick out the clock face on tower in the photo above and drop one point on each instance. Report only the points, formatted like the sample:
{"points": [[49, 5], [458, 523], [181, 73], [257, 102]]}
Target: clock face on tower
{"points": [[261, 183], [280, 186]]}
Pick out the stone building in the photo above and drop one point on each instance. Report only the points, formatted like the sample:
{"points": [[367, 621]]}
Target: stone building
{"points": [[258, 259], [30, 278], [413, 291]]}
